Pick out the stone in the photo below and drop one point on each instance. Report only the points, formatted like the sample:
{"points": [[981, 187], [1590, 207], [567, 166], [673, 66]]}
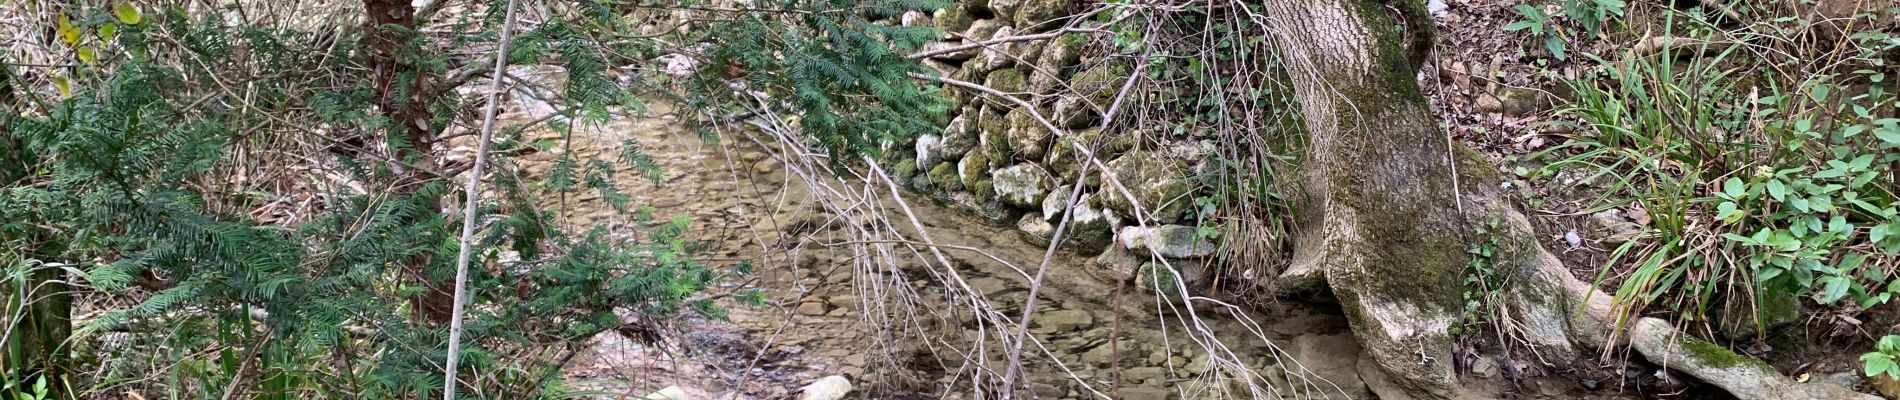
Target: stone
{"points": [[1065, 320], [905, 171], [955, 18], [997, 56], [1004, 80], [1100, 82], [1036, 15], [1022, 185], [1171, 241], [1773, 309], [981, 29], [1613, 227], [916, 18], [1075, 113], [974, 171], [1159, 184], [670, 393], [1485, 367], [1040, 14], [1056, 202], [828, 388], [944, 178], [811, 308], [1005, 9], [1091, 230], [959, 136], [1028, 137], [1120, 264], [929, 150], [1055, 61], [1037, 229]]}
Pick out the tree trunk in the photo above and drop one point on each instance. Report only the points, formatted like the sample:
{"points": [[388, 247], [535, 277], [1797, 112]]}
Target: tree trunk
{"points": [[35, 346], [1391, 206], [403, 96]]}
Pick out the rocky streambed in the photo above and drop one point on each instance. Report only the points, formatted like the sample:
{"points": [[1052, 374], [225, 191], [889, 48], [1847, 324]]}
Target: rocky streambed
{"points": [[823, 316]]}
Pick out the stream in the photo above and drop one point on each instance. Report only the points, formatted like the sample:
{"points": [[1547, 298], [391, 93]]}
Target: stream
{"points": [[814, 324]]}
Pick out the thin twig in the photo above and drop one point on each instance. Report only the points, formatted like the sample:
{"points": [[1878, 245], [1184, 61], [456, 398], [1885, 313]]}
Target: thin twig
{"points": [[469, 207]]}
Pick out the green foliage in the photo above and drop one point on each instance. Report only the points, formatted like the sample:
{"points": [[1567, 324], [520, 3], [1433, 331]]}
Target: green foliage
{"points": [[1755, 184], [1482, 280], [1588, 15], [1881, 361]]}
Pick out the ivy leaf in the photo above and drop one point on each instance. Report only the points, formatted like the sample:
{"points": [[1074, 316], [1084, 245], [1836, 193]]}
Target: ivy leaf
{"points": [[126, 13]]}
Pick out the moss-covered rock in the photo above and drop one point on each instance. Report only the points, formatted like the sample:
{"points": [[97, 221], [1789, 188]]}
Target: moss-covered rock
{"points": [[998, 56], [973, 172], [1160, 184], [1028, 138], [1005, 80], [955, 18], [944, 178], [1055, 62], [1036, 15], [1063, 160], [1075, 113], [1100, 82], [905, 171], [1022, 185]]}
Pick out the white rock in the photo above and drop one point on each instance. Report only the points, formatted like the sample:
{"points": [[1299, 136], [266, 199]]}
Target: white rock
{"points": [[670, 393], [828, 388]]}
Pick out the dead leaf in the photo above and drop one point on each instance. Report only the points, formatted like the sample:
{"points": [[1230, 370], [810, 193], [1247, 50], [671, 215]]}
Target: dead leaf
{"points": [[1637, 214]]}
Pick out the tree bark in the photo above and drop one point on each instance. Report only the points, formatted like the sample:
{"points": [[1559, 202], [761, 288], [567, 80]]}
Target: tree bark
{"points": [[1391, 206], [403, 96]]}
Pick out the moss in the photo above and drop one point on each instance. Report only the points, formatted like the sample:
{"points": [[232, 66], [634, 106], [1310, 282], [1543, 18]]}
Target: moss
{"points": [[1715, 355], [973, 168], [905, 170], [944, 175], [1006, 80]]}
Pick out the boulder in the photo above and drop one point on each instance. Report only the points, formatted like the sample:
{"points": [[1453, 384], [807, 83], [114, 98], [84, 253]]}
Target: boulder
{"points": [[1063, 160], [905, 171], [1171, 241], [1056, 202], [1773, 309], [916, 18], [1065, 320], [1022, 185], [1613, 227], [1028, 137], [1159, 184]]}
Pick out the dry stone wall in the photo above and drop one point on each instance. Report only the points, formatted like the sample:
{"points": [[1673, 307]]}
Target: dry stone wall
{"points": [[995, 158]]}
